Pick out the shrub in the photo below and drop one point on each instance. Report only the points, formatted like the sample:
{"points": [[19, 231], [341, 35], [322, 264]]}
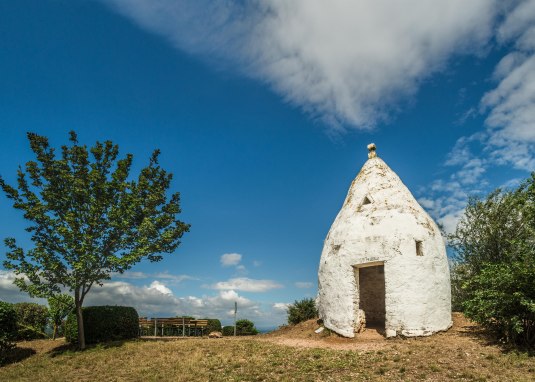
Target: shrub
{"points": [[228, 330], [302, 310], [245, 328], [494, 275], [503, 300], [104, 323], [31, 320], [214, 325], [27, 333], [8, 329]]}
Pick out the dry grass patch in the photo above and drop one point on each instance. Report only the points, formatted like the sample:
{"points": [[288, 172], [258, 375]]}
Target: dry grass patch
{"points": [[458, 355]]}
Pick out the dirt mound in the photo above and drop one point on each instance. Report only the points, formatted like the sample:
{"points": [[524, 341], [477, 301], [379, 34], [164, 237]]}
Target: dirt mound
{"points": [[303, 335], [302, 329]]}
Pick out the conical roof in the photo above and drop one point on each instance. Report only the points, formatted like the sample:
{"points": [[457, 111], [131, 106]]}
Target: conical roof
{"points": [[379, 202]]}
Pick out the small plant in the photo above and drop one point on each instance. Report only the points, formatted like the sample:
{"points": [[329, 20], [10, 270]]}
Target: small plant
{"points": [[302, 310]]}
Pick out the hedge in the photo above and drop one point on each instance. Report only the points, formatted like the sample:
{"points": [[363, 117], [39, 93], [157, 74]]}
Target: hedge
{"points": [[104, 323], [8, 329]]}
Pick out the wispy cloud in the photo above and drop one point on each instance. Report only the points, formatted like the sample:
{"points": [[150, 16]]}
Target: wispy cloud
{"points": [[230, 259], [508, 138], [283, 306], [136, 275], [511, 105], [347, 63], [304, 284], [246, 284]]}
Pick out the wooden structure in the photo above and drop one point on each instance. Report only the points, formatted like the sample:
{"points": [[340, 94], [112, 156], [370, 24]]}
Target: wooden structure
{"points": [[174, 326]]}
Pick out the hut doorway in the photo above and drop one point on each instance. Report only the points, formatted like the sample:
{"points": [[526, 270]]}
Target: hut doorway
{"points": [[370, 279]]}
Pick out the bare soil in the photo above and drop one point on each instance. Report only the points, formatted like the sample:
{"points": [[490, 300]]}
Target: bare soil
{"points": [[462, 333]]}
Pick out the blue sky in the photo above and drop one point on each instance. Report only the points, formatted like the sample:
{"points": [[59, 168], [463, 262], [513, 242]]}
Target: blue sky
{"points": [[262, 111]]}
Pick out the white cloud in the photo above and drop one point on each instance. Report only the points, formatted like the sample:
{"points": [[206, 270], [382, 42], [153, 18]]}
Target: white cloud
{"points": [[511, 105], [9, 292], [304, 284], [230, 259], [344, 62], [283, 306], [160, 287], [247, 285]]}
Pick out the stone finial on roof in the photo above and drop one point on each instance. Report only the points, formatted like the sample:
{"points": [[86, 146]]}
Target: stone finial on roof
{"points": [[371, 150]]}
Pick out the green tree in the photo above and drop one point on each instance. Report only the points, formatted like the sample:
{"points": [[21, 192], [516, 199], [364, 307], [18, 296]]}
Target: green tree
{"points": [[214, 325], [302, 310], [494, 273], [59, 306], [245, 328], [88, 218]]}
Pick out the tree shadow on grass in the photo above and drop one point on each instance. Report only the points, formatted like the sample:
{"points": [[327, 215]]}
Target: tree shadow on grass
{"points": [[487, 338], [72, 348], [17, 354]]}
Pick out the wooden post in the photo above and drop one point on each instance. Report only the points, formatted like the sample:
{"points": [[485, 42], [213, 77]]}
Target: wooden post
{"points": [[155, 327], [183, 327]]}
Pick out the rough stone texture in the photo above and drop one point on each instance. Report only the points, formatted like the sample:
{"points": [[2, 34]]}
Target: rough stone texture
{"points": [[360, 321], [379, 225]]}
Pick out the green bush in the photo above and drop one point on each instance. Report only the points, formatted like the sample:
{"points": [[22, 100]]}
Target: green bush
{"points": [[104, 323], [245, 328], [493, 279], [302, 310], [214, 325], [503, 300], [228, 330], [27, 333], [31, 320], [8, 329]]}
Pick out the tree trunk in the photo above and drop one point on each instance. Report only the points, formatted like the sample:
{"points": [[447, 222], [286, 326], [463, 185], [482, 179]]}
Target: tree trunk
{"points": [[55, 331], [79, 320]]}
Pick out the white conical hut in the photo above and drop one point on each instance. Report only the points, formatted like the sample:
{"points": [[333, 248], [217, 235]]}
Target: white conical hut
{"points": [[383, 256]]}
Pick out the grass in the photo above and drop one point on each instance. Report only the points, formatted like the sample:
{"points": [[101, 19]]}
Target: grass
{"points": [[463, 353], [251, 359]]}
